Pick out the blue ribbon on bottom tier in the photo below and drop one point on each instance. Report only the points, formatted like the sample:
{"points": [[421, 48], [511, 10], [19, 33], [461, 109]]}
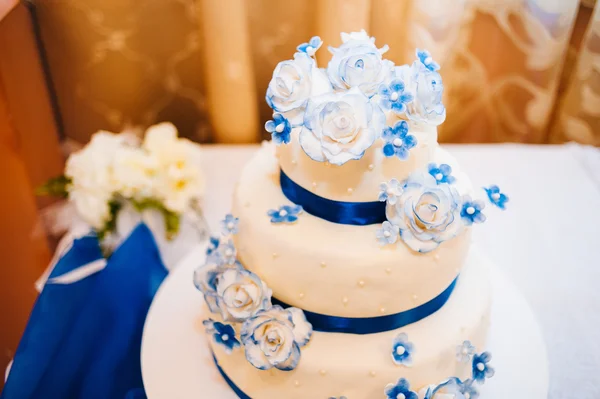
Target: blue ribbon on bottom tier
{"points": [[353, 213], [231, 384], [372, 325]]}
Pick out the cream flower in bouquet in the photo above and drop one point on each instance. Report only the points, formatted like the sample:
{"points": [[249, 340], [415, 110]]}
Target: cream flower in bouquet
{"points": [[162, 172]]}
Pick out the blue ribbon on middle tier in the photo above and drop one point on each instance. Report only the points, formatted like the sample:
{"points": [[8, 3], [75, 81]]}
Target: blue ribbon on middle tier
{"points": [[353, 213], [377, 324]]}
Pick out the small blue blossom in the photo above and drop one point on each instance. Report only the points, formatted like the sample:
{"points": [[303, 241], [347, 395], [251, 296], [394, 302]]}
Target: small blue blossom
{"points": [[223, 334], [468, 390], [402, 350], [213, 244], [496, 197], [230, 225], [387, 234], [441, 173], [393, 97], [425, 57], [402, 387], [471, 211], [285, 214], [228, 252], [280, 129], [390, 191], [481, 369], [398, 141], [464, 352], [311, 47], [452, 388]]}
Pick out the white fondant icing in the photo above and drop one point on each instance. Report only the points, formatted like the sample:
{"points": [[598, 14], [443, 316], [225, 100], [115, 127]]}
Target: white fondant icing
{"points": [[350, 253], [360, 366]]}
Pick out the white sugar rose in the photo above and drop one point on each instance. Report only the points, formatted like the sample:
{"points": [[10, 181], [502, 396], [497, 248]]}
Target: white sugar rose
{"points": [[240, 294], [426, 88], [358, 63], [273, 338], [426, 213], [340, 127], [293, 83]]}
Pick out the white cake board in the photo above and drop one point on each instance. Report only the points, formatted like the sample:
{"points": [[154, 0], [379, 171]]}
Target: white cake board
{"points": [[177, 364]]}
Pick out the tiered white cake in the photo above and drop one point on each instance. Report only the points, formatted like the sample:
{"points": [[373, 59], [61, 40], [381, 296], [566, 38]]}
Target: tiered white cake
{"points": [[389, 299]]}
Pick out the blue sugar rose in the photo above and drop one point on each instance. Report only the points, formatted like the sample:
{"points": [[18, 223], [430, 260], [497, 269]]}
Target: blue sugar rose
{"points": [[358, 63], [340, 127], [426, 213], [273, 338]]}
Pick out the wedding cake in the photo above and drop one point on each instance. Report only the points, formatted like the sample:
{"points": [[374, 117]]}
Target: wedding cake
{"points": [[345, 269]]}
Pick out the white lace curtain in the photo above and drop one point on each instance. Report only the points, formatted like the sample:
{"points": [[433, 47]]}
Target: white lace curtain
{"points": [[514, 70]]}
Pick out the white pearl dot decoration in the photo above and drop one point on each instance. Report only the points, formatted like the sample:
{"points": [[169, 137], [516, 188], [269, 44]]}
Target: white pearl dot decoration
{"points": [[301, 295], [350, 190], [323, 372], [400, 350], [414, 296], [361, 283], [314, 184], [345, 300], [247, 204], [388, 270], [371, 166], [372, 373], [323, 265], [436, 257], [327, 163], [294, 162], [296, 383], [382, 309], [496, 196], [470, 210], [480, 366], [275, 255]]}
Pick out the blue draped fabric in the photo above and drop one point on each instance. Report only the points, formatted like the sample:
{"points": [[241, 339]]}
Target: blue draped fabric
{"points": [[353, 213], [83, 339], [373, 325]]}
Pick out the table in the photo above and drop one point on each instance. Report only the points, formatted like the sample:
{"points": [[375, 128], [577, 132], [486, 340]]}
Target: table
{"points": [[547, 243]]}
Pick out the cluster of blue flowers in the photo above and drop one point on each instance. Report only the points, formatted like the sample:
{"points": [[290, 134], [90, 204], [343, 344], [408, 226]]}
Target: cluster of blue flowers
{"points": [[349, 99], [239, 296], [453, 386]]}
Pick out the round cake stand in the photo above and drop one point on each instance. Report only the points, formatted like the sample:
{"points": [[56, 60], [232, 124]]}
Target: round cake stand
{"points": [[177, 364]]}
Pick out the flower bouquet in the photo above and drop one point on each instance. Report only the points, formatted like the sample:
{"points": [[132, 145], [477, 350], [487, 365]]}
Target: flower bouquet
{"points": [[119, 180]]}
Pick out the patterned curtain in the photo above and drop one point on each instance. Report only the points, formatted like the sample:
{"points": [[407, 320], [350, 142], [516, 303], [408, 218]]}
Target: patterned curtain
{"points": [[514, 70]]}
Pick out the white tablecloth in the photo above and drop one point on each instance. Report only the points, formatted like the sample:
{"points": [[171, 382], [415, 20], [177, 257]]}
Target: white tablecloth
{"points": [[548, 242]]}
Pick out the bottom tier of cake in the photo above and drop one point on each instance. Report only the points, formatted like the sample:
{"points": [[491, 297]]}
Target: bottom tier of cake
{"points": [[337, 365]]}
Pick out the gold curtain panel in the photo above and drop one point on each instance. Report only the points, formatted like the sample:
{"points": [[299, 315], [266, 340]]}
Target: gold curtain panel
{"points": [[514, 70]]}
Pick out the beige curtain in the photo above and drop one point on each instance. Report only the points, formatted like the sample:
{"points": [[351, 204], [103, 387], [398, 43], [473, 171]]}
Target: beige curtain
{"points": [[514, 70]]}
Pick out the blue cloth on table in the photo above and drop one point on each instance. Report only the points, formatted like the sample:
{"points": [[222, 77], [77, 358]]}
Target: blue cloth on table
{"points": [[83, 339]]}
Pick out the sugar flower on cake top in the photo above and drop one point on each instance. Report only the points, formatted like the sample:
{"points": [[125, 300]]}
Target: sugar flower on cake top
{"points": [[341, 111]]}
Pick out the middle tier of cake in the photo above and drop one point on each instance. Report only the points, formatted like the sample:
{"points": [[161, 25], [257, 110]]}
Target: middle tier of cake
{"points": [[330, 268]]}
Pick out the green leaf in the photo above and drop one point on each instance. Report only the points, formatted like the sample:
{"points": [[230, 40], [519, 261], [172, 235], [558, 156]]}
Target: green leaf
{"points": [[56, 187]]}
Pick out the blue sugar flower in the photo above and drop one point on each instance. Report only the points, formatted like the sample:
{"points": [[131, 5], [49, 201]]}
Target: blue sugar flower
{"points": [[228, 252], [393, 97], [311, 47], [468, 390], [213, 244], [481, 368], [465, 351], [280, 129], [425, 57], [441, 173], [387, 234], [230, 225], [400, 390], [402, 350], [223, 334], [285, 214], [471, 211], [496, 197], [390, 191], [398, 141]]}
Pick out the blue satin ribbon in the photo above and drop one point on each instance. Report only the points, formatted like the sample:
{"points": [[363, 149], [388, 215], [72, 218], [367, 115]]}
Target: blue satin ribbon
{"points": [[231, 384], [372, 325], [354, 213]]}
